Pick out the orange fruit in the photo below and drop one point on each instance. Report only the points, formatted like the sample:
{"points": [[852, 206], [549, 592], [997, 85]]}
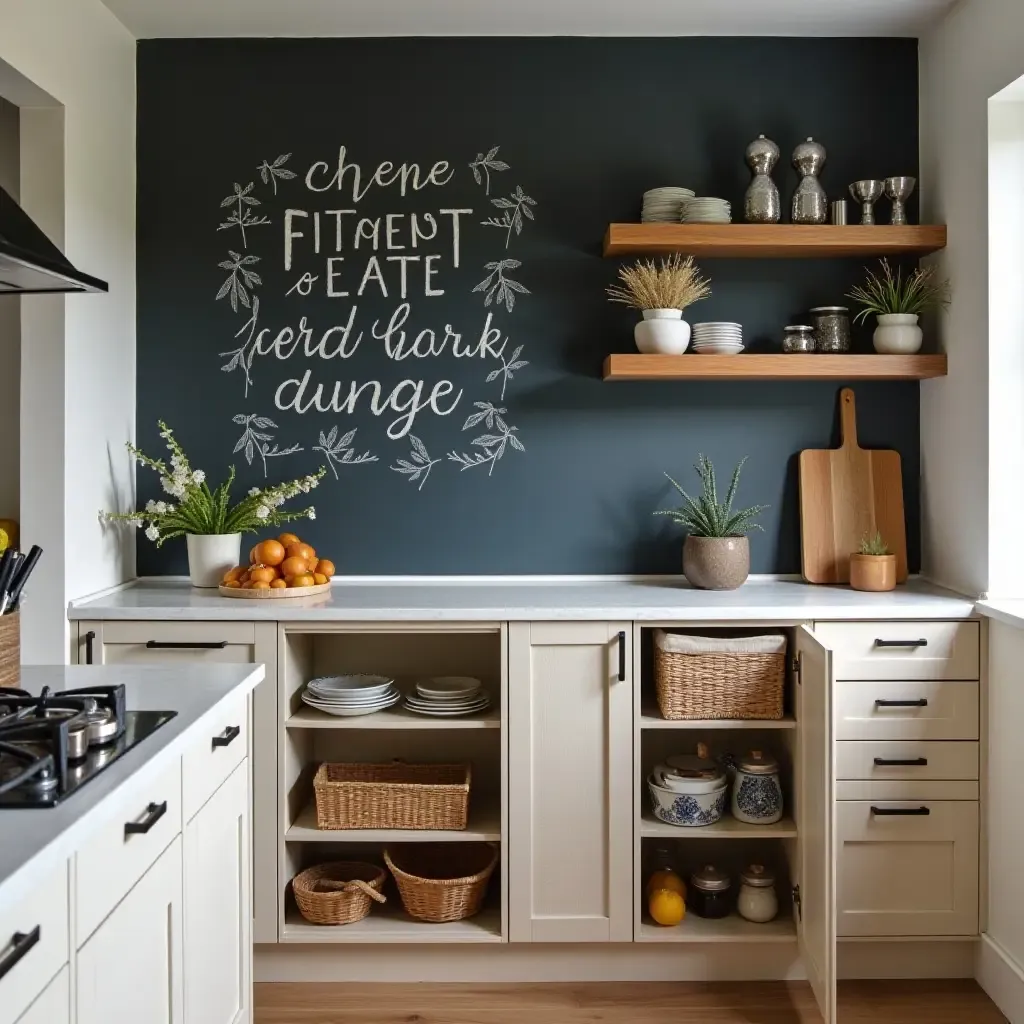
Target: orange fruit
{"points": [[262, 574], [303, 579], [252, 554], [666, 879], [278, 584], [311, 562], [233, 574], [261, 585], [326, 566], [293, 565], [248, 585], [234, 584], [287, 538], [300, 550], [270, 552], [666, 907], [319, 578]]}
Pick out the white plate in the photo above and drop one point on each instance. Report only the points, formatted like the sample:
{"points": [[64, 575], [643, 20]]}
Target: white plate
{"points": [[375, 698], [448, 686], [445, 714], [343, 711], [445, 705], [352, 683]]}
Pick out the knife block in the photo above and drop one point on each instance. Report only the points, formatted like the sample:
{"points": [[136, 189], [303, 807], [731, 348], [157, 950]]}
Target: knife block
{"points": [[10, 649]]}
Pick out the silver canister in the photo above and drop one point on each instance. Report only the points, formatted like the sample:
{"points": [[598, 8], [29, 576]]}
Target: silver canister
{"points": [[798, 338], [831, 328], [839, 212]]}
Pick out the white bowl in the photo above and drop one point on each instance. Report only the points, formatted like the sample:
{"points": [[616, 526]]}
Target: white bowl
{"points": [[688, 810]]}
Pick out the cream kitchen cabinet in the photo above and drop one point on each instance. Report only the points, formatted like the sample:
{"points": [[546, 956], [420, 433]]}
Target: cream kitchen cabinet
{"points": [[53, 1005]]}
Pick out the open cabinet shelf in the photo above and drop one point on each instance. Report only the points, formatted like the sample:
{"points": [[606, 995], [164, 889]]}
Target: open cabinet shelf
{"points": [[390, 923], [727, 929], [725, 828], [393, 718], [484, 826], [651, 719]]}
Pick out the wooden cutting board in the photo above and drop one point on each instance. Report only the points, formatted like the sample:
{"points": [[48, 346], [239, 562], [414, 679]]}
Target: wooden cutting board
{"points": [[845, 494]]}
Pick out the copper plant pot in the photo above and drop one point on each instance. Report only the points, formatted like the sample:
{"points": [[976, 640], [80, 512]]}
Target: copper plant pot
{"points": [[875, 573], [716, 563]]}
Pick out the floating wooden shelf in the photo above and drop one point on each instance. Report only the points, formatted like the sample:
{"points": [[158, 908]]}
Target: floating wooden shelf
{"points": [[774, 241], [781, 366]]}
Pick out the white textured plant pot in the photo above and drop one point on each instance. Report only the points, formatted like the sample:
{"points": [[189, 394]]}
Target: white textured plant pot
{"points": [[897, 334], [210, 555], [663, 332]]}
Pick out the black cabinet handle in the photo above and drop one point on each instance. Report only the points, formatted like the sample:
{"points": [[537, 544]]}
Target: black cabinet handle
{"points": [[919, 703], [902, 643], [89, 638], [230, 733], [915, 762], [21, 943], [622, 656], [192, 645], [154, 812], [903, 812]]}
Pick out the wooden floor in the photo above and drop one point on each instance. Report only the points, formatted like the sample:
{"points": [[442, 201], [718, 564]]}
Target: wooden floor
{"points": [[880, 1002]]}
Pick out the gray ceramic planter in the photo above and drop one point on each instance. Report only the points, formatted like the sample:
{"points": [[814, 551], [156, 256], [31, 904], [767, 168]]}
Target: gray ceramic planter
{"points": [[716, 563]]}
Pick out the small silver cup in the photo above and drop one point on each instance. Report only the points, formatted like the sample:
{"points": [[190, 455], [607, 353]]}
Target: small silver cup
{"points": [[839, 211], [899, 190], [867, 192]]}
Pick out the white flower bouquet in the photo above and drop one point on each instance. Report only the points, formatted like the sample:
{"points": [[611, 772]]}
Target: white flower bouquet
{"points": [[201, 511]]}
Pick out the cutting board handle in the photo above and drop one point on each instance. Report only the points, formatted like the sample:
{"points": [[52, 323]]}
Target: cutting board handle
{"points": [[848, 418]]}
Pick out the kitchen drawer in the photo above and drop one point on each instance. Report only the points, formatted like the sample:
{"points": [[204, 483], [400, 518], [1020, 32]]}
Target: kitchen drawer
{"points": [[907, 874], [906, 710], [213, 756], [53, 1005], [144, 643], [119, 853], [859, 759], [903, 650], [33, 942]]}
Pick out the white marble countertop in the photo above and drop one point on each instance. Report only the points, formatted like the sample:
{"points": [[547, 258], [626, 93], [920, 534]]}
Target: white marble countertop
{"points": [[534, 598], [32, 840]]}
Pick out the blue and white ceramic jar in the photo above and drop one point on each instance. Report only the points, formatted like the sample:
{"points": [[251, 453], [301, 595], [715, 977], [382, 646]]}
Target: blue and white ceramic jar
{"points": [[756, 789], [689, 790]]}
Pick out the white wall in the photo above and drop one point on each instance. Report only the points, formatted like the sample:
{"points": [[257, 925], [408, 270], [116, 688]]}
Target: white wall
{"points": [[78, 353], [10, 330]]}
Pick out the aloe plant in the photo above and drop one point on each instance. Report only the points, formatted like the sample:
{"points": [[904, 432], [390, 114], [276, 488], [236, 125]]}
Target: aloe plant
{"points": [[705, 515]]}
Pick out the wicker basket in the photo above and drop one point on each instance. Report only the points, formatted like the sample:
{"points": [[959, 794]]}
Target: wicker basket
{"points": [[700, 677], [394, 795], [10, 649], [442, 881], [338, 893]]}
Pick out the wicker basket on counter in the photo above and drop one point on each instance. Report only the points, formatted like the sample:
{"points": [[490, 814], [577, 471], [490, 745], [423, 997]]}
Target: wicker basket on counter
{"points": [[441, 882], [391, 796], [10, 649], [341, 892], [719, 677]]}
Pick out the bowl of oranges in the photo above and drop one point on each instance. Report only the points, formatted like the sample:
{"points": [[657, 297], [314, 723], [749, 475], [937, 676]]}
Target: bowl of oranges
{"points": [[280, 567]]}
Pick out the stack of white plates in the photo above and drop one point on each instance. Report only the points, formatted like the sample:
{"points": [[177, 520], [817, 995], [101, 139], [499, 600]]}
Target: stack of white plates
{"points": [[719, 338], [448, 697], [348, 696], [664, 204], [706, 210]]}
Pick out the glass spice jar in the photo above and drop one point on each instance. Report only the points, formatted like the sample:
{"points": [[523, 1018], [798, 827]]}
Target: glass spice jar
{"points": [[798, 338], [757, 901], [831, 328], [711, 893]]}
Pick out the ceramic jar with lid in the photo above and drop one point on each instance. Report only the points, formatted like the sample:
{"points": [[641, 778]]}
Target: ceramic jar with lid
{"points": [[798, 338], [756, 789], [689, 789], [831, 328], [710, 893], [757, 901]]}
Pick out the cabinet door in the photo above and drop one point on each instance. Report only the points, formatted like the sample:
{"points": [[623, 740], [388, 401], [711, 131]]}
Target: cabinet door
{"points": [[53, 1005], [218, 950], [130, 970], [815, 803], [570, 782]]}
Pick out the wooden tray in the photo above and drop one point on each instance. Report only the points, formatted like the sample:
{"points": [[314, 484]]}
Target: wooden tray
{"points": [[280, 594]]}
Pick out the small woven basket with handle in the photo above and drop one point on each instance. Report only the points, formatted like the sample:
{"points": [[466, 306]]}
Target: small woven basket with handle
{"points": [[341, 892]]}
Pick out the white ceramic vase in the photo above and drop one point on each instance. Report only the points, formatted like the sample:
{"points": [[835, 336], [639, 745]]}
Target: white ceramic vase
{"points": [[898, 334], [662, 331], [210, 555]]}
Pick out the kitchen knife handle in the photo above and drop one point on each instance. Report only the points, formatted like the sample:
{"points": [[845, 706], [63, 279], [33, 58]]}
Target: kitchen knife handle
{"points": [[909, 762], [903, 812], [920, 703], [186, 645], [901, 643], [22, 573], [89, 638], [154, 812], [21, 943], [622, 656]]}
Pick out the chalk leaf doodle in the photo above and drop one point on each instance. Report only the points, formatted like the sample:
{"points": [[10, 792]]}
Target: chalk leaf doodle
{"points": [[240, 280], [507, 369], [339, 451], [271, 173], [499, 288], [517, 206], [486, 164], [419, 464], [242, 216], [493, 445], [255, 441]]}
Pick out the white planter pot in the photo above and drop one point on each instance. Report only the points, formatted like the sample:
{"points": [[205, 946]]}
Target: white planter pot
{"points": [[210, 555], [662, 331], [898, 334]]}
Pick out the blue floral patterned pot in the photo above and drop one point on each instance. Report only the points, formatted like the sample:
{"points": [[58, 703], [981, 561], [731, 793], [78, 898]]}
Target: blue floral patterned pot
{"points": [[687, 810], [757, 797]]}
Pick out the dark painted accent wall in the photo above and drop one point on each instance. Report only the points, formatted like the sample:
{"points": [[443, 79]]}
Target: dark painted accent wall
{"points": [[584, 126]]}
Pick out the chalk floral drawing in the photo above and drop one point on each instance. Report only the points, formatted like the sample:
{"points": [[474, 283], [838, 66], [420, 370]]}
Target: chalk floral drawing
{"points": [[240, 280], [242, 216], [271, 173], [339, 451], [507, 369], [243, 356], [499, 288], [486, 164], [254, 441], [418, 465], [493, 446], [517, 206]]}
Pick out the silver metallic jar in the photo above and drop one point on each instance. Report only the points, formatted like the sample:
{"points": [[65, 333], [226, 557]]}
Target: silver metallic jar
{"points": [[831, 328], [810, 204], [761, 204], [798, 338]]}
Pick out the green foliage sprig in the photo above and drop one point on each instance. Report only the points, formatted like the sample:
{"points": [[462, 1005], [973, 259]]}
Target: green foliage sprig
{"points": [[705, 515], [892, 292], [874, 545]]}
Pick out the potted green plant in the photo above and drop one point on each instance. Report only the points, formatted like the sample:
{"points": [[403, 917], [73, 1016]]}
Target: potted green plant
{"points": [[898, 301], [716, 552], [661, 293], [873, 568], [212, 526]]}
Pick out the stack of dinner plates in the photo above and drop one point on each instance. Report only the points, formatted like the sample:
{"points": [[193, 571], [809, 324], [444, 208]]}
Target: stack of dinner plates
{"points": [[705, 210], [347, 696], [718, 338], [448, 697], [664, 204]]}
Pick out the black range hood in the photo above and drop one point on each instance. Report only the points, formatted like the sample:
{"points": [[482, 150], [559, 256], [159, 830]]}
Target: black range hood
{"points": [[30, 262]]}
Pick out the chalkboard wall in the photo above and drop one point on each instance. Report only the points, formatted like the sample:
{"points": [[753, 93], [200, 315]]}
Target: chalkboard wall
{"points": [[460, 411]]}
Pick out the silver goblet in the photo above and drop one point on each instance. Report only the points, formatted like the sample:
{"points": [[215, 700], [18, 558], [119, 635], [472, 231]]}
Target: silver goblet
{"points": [[867, 192], [899, 190]]}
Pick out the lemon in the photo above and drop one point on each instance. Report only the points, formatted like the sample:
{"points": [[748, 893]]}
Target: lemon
{"points": [[666, 878], [666, 907], [5, 541]]}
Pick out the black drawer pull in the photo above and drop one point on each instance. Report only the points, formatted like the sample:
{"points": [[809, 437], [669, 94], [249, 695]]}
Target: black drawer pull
{"points": [[622, 656], [21, 943], [912, 762], [191, 645], [154, 812], [902, 643], [902, 812], [921, 702], [89, 638], [230, 733]]}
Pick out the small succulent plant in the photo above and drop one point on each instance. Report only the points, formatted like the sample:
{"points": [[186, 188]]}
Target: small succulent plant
{"points": [[874, 545]]}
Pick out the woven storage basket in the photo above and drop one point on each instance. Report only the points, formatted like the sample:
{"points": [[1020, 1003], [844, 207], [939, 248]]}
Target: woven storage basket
{"points": [[442, 881], [338, 893], [700, 677], [10, 649], [394, 795]]}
